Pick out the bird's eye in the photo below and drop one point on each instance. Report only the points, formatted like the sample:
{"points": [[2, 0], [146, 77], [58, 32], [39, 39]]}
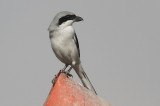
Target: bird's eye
{"points": [[67, 16], [73, 16]]}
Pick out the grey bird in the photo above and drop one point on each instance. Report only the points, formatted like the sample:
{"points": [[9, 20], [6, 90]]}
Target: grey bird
{"points": [[65, 44]]}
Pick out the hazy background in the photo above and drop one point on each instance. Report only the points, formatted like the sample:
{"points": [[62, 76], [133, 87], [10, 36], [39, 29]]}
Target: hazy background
{"points": [[119, 43]]}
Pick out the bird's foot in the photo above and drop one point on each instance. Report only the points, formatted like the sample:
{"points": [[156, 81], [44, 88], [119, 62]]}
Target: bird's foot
{"points": [[68, 74], [53, 81], [62, 71], [56, 76]]}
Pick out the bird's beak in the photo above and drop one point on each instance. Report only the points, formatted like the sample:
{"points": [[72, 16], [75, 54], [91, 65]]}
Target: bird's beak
{"points": [[77, 19]]}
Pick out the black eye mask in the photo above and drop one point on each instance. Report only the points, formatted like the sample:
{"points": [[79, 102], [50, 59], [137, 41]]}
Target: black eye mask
{"points": [[65, 18]]}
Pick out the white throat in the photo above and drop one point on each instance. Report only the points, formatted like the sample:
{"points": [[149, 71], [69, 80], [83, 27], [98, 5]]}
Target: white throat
{"points": [[66, 24]]}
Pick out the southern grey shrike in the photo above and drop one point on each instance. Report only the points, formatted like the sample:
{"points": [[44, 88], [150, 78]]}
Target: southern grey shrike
{"points": [[65, 44]]}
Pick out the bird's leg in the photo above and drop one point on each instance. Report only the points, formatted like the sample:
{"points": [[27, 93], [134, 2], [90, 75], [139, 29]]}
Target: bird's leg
{"points": [[68, 72], [63, 70]]}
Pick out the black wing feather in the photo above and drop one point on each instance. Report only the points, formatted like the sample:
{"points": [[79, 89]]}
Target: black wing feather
{"points": [[77, 43]]}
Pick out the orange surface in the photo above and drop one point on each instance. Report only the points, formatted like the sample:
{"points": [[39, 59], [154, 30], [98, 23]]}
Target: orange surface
{"points": [[66, 92]]}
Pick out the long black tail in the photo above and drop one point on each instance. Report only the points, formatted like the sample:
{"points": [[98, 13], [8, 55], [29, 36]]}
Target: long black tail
{"points": [[84, 78]]}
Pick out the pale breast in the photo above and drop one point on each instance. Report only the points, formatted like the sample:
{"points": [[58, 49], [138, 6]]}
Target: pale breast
{"points": [[62, 43], [62, 36]]}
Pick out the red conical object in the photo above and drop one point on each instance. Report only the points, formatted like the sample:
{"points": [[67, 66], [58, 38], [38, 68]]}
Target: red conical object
{"points": [[66, 92]]}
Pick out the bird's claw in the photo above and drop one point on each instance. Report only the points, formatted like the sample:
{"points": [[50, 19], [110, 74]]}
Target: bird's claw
{"points": [[62, 71], [53, 81], [68, 74]]}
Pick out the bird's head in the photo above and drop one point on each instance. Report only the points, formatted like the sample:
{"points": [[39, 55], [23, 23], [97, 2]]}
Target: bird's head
{"points": [[64, 19]]}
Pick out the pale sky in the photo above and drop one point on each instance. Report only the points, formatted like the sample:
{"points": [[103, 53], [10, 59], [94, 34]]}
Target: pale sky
{"points": [[119, 43]]}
